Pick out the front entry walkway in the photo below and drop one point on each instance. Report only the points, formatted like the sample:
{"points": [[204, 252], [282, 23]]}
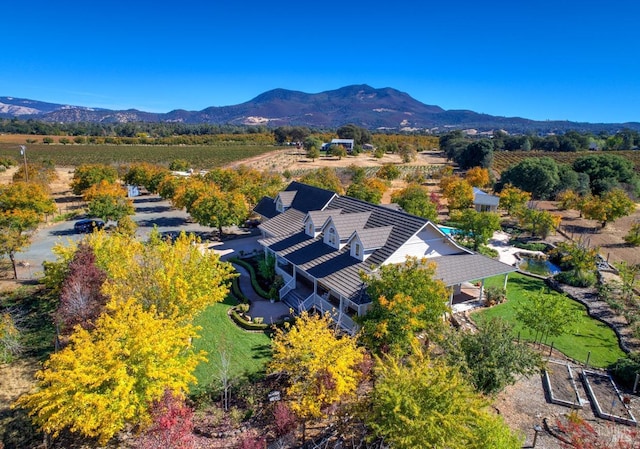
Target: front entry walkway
{"points": [[260, 307]]}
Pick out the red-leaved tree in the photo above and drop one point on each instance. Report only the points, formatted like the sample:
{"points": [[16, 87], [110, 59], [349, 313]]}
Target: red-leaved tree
{"points": [[579, 434], [172, 425], [81, 300], [251, 441], [284, 419]]}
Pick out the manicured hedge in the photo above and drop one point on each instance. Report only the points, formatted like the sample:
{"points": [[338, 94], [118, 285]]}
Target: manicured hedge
{"points": [[252, 274]]}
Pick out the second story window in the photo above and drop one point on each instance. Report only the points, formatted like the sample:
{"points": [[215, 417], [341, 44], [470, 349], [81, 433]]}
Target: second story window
{"points": [[358, 250]]}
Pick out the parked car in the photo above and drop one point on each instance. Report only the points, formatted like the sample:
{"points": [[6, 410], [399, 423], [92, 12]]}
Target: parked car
{"points": [[88, 225]]}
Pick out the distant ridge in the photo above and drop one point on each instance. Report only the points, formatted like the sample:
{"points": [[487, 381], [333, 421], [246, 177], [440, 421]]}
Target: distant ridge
{"points": [[363, 105]]}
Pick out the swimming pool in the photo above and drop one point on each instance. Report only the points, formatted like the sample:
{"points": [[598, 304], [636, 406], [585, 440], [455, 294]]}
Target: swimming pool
{"points": [[449, 230]]}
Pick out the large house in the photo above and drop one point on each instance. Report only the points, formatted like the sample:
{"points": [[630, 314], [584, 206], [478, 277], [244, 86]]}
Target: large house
{"points": [[322, 241]]}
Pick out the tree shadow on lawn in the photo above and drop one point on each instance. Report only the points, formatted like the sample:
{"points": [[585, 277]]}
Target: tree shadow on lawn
{"points": [[261, 351], [527, 284]]}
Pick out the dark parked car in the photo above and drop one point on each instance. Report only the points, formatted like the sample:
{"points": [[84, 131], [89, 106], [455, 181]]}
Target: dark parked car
{"points": [[88, 225]]}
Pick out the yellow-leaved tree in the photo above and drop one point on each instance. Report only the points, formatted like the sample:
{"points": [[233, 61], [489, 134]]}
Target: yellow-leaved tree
{"points": [[107, 378], [177, 279], [323, 368]]}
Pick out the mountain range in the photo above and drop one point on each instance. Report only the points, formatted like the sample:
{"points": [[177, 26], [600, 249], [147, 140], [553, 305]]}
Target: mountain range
{"points": [[365, 106]]}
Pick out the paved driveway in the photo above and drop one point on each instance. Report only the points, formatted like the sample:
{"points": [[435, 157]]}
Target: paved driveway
{"points": [[150, 211]]}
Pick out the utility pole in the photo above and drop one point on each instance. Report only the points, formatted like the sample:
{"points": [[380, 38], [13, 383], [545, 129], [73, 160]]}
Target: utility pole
{"points": [[23, 152]]}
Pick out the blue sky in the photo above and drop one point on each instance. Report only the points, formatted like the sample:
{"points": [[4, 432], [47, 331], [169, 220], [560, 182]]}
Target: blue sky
{"points": [[562, 59]]}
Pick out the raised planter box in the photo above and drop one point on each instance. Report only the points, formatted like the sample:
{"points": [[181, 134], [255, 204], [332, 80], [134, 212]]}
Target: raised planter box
{"points": [[561, 386], [606, 398]]}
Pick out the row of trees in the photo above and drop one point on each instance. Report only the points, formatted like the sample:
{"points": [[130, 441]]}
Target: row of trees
{"points": [[456, 144]]}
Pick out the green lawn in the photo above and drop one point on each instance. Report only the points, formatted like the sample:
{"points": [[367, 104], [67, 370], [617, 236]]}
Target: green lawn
{"points": [[248, 351], [587, 335]]}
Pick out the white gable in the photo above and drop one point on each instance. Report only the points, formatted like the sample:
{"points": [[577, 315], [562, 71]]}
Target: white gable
{"points": [[428, 242]]}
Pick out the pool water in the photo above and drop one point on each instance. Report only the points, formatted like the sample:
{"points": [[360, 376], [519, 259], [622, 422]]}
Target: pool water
{"points": [[541, 267], [449, 230]]}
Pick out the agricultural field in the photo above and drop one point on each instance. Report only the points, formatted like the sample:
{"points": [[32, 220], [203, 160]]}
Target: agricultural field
{"points": [[505, 159], [199, 156]]}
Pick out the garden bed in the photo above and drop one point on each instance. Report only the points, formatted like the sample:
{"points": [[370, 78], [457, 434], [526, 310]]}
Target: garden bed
{"points": [[606, 399], [561, 386]]}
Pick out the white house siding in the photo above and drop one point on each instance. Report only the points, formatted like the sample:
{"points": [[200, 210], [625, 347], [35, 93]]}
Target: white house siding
{"points": [[425, 243]]}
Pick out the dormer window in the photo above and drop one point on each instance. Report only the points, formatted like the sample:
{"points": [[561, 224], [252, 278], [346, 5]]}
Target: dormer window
{"points": [[358, 250], [332, 236], [310, 229], [279, 206]]}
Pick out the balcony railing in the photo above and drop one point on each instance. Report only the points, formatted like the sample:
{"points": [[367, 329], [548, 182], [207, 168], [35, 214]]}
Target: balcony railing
{"points": [[286, 288]]}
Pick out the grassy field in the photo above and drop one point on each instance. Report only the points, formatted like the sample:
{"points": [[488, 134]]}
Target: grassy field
{"points": [[248, 351], [199, 156], [587, 334]]}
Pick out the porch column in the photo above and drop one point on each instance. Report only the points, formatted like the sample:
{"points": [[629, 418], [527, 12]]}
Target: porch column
{"points": [[506, 278], [481, 290], [451, 298]]}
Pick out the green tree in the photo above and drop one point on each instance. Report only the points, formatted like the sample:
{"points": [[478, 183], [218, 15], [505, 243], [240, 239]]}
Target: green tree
{"points": [[476, 154], [425, 403], [338, 151], [370, 190], [22, 207], [539, 222], [407, 153], [416, 200], [513, 199], [490, 358], [477, 227], [108, 201], [85, 176], [389, 172], [612, 205], [536, 175], [325, 178], [313, 153], [405, 300], [179, 165], [358, 134], [607, 171], [217, 209], [544, 315], [578, 263]]}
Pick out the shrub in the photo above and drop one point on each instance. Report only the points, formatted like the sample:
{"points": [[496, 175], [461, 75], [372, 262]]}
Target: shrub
{"points": [[389, 172], [529, 246], [625, 370], [494, 295], [633, 237], [577, 278]]}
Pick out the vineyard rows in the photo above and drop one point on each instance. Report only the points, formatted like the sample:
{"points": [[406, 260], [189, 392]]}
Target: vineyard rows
{"points": [[198, 156], [505, 159]]}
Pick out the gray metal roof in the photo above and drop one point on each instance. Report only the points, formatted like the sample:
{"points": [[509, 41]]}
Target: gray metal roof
{"points": [[481, 197], [309, 197], [319, 217], [266, 207], [373, 238], [286, 223], [286, 197], [346, 223], [337, 270], [458, 268]]}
